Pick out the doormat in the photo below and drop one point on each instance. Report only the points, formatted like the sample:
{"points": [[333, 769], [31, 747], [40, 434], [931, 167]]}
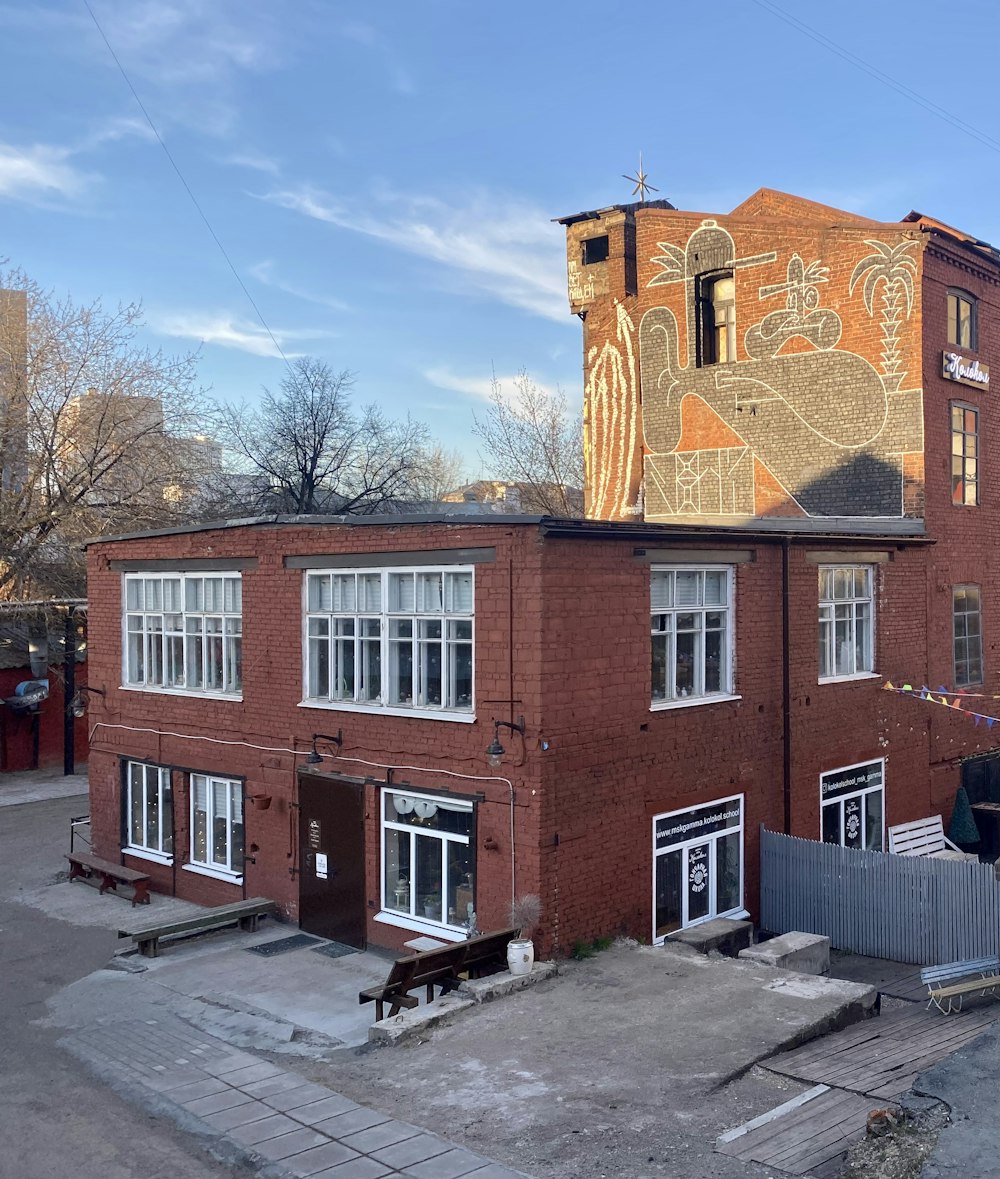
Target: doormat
{"points": [[283, 944], [335, 950]]}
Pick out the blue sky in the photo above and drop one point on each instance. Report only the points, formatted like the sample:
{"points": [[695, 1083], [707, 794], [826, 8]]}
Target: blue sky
{"points": [[383, 176]]}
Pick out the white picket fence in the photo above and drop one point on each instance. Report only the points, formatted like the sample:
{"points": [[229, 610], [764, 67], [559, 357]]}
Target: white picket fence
{"points": [[907, 908]]}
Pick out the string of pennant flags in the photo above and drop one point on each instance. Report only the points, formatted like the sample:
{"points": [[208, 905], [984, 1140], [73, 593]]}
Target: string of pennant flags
{"points": [[952, 700]]}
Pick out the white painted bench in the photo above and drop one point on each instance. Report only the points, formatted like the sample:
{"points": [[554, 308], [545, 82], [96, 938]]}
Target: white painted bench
{"points": [[948, 985], [925, 837]]}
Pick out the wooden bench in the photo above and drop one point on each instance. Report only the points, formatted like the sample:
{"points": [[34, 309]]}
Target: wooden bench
{"points": [[948, 985], [442, 967], [245, 914], [85, 866], [925, 837]]}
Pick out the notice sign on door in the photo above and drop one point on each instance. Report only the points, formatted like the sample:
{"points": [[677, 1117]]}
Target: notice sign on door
{"points": [[321, 865]]}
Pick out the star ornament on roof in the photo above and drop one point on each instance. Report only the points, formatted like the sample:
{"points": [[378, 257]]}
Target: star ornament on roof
{"points": [[639, 180]]}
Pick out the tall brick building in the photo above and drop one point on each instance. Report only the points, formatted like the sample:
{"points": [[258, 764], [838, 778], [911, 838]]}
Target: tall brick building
{"points": [[787, 507]]}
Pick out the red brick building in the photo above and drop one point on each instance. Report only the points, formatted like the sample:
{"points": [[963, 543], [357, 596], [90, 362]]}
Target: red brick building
{"points": [[302, 708]]}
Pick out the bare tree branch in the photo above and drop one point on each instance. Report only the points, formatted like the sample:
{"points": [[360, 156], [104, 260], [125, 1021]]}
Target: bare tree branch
{"points": [[531, 438]]}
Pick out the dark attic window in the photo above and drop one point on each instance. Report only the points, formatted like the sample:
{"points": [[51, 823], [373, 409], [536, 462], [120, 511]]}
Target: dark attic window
{"points": [[595, 249]]}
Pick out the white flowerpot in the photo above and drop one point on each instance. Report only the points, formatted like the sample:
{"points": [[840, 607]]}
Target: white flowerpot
{"points": [[520, 956]]}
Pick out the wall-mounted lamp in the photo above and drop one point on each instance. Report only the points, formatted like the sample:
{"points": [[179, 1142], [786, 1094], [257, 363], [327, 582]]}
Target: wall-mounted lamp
{"points": [[78, 705], [315, 758], [495, 751]]}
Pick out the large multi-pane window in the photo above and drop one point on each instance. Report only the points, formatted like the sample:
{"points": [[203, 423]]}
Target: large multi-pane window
{"points": [[184, 632], [964, 454], [846, 621], [962, 320], [217, 824], [390, 638], [968, 630], [428, 868], [149, 812], [691, 621]]}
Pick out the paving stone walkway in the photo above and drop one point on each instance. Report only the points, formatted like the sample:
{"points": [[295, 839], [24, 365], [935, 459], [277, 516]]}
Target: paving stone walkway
{"points": [[255, 1111]]}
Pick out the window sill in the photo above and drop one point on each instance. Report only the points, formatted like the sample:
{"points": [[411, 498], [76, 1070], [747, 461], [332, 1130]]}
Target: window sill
{"points": [[692, 701], [214, 873], [196, 694], [846, 679], [142, 853], [402, 921], [439, 714]]}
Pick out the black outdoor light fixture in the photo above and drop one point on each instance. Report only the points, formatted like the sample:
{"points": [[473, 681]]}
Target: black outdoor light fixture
{"points": [[78, 705], [495, 751], [315, 758]]}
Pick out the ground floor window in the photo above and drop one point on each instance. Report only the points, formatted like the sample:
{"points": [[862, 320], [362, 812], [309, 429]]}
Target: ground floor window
{"points": [[149, 810], [217, 824], [852, 802], [427, 858], [697, 865]]}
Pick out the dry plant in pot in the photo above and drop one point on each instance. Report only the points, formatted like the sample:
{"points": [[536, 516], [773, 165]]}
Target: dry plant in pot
{"points": [[525, 913]]}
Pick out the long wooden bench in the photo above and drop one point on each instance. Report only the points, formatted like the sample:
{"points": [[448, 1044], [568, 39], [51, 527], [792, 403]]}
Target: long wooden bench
{"points": [[84, 866], [947, 985], [245, 914], [442, 967]]}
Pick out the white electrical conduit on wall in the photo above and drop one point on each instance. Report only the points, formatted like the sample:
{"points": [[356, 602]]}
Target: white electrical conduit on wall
{"points": [[358, 760]]}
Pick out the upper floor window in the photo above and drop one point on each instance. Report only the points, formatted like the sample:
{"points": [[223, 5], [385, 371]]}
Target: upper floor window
{"points": [[846, 621], [964, 455], [962, 326], [716, 319], [595, 249], [691, 625], [184, 632], [388, 638], [967, 621]]}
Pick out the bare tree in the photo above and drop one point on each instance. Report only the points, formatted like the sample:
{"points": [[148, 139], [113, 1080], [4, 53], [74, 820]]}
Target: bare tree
{"points": [[305, 449], [89, 426], [440, 470], [534, 440]]}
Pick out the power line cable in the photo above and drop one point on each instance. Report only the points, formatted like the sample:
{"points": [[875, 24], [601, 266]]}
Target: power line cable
{"points": [[187, 187], [886, 79]]}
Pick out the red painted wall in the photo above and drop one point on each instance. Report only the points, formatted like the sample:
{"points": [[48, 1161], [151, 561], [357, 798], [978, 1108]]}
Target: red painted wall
{"points": [[15, 731]]}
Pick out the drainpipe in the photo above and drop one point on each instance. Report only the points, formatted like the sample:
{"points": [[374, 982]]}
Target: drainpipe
{"points": [[786, 691], [69, 691]]}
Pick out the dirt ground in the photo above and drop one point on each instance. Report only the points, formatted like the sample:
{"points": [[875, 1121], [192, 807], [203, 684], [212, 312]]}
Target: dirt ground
{"points": [[625, 1065]]}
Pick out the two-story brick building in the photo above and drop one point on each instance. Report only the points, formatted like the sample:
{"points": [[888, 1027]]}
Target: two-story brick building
{"points": [[787, 508]]}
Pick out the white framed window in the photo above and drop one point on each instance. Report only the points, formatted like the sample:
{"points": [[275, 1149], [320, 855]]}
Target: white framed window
{"points": [[846, 621], [967, 622], [428, 866], [217, 838], [395, 639], [691, 633], [852, 805], [184, 633], [149, 811], [697, 865]]}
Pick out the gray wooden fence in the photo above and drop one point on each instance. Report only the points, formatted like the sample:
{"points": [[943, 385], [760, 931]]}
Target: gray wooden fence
{"points": [[908, 908]]}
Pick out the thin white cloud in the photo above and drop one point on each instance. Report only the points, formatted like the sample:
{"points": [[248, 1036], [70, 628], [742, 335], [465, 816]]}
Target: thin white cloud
{"points": [[366, 35], [479, 386], [229, 331], [114, 129], [507, 249], [254, 161], [263, 272], [39, 173]]}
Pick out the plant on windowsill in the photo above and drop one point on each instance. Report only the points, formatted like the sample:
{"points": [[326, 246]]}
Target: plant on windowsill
{"points": [[432, 906], [525, 913]]}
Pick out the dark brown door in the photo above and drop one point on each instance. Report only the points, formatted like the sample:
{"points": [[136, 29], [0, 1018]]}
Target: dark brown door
{"points": [[332, 859]]}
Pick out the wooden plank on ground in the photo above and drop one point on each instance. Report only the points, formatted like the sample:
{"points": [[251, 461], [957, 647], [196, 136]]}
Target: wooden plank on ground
{"points": [[804, 1136], [894, 1049]]}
